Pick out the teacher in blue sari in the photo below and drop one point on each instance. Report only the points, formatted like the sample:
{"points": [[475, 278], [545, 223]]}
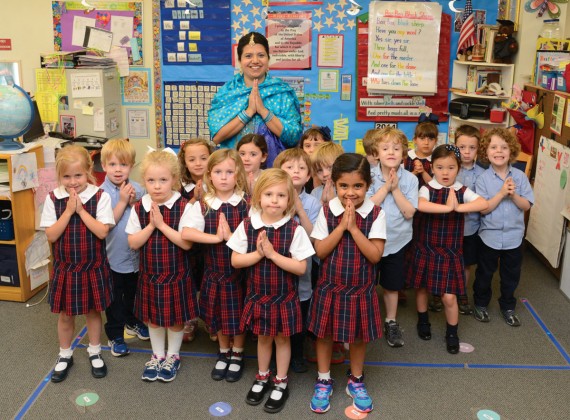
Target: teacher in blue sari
{"points": [[255, 102]]}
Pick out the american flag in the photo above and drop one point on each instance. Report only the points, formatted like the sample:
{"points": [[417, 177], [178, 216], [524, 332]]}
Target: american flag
{"points": [[467, 36]]}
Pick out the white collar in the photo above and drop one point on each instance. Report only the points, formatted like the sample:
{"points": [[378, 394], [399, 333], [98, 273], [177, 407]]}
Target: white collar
{"points": [[147, 201], [84, 195], [412, 154], [336, 207], [215, 202], [434, 184], [189, 187], [257, 223]]}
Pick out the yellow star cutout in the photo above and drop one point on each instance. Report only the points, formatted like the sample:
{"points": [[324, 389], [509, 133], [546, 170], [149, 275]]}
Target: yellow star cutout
{"points": [[237, 37], [256, 24], [236, 10], [331, 7], [246, 2], [329, 22], [244, 18], [244, 32], [255, 11], [235, 25], [319, 13], [342, 3], [351, 23], [339, 27], [318, 26], [340, 14]]}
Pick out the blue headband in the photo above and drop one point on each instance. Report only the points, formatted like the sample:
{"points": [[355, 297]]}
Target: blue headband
{"points": [[432, 118], [326, 132]]}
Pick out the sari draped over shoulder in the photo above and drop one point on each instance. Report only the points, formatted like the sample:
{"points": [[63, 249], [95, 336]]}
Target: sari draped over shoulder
{"points": [[277, 96]]}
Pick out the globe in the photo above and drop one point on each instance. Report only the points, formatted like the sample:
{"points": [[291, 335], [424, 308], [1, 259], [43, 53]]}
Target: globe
{"points": [[16, 115]]}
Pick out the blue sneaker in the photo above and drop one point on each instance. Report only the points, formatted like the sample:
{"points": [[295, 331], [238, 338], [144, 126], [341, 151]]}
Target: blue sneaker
{"points": [[169, 368], [118, 347], [360, 398], [140, 330], [320, 403], [151, 369]]}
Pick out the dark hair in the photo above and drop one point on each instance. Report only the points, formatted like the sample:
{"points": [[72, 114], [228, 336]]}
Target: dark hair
{"points": [[446, 150], [351, 162], [426, 129], [314, 131], [256, 139], [257, 38], [467, 130]]}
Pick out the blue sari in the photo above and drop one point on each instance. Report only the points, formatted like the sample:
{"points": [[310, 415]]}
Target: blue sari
{"points": [[277, 96]]}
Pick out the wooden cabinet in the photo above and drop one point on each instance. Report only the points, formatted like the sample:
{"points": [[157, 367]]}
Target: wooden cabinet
{"points": [[466, 77], [23, 217]]}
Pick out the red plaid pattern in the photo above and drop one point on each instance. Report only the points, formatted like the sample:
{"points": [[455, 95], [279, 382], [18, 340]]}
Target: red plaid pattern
{"points": [[221, 298], [437, 257], [81, 274], [166, 295], [272, 304], [345, 304], [188, 195], [409, 166]]}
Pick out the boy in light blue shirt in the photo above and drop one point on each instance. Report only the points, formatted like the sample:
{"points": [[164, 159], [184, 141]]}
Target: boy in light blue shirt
{"points": [[396, 191], [297, 164], [117, 159]]}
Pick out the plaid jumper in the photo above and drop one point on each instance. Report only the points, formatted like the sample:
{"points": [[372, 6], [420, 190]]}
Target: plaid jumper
{"points": [[221, 298], [409, 166], [345, 304], [81, 274], [437, 258], [272, 303], [165, 294]]}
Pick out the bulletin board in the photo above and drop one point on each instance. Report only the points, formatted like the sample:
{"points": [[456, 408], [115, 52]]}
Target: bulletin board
{"points": [[69, 18]]}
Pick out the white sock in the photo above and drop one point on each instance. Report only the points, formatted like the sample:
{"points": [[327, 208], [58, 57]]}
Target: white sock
{"points": [[258, 388], [66, 353], [94, 350], [174, 342], [158, 341], [325, 376], [276, 395], [388, 320], [237, 350]]}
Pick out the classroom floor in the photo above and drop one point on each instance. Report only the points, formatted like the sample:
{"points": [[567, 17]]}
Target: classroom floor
{"points": [[517, 373]]}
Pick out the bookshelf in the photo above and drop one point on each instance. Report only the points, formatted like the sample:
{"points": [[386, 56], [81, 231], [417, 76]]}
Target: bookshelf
{"points": [[467, 77]]}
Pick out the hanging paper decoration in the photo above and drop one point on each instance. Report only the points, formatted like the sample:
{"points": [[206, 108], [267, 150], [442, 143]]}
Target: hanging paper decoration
{"points": [[542, 6]]}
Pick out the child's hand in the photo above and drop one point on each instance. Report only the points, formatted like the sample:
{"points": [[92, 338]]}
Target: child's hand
{"points": [[260, 242], [350, 210], [225, 227], [71, 202], [78, 203], [156, 216], [418, 167], [452, 202], [393, 179], [328, 192], [505, 189], [126, 192], [267, 247], [511, 187], [298, 204], [198, 190]]}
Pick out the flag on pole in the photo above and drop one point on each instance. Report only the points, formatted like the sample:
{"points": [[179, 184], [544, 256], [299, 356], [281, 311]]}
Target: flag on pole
{"points": [[467, 36]]}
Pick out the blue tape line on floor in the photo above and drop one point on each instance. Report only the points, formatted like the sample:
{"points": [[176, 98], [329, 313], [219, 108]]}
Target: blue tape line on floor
{"points": [[45, 381], [546, 330]]}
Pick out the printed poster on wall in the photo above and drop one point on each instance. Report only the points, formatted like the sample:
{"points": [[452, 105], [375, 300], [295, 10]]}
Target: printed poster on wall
{"points": [[546, 222], [398, 60], [289, 36]]}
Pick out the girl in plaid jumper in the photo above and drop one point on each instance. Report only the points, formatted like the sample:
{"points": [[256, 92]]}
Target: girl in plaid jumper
{"points": [[166, 297], [213, 219], [77, 217], [437, 258], [349, 238], [273, 247], [193, 158]]}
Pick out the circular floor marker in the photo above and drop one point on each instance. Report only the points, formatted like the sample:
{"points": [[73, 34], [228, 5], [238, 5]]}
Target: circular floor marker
{"points": [[487, 415], [220, 409], [353, 413], [87, 399], [466, 348]]}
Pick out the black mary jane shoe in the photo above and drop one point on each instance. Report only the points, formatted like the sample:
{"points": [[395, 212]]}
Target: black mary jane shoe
{"points": [[98, 372], [452, 342], [234, 375], [254, 398], [424, 330], [219, 374], [275, 406], [60, 375]]}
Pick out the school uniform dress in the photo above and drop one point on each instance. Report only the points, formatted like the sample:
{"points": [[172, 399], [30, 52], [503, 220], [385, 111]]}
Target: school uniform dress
{"points": [[345, 304], [271, 303], [437, 257], [222, 294], [409, 165], [81, 278], [166, 294], [196, 253], [501, 234]]}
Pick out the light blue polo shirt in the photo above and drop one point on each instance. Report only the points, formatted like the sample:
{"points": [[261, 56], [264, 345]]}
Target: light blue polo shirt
{"points": [[503, 228], [122, 258], [312, 206], [468, 177], [399, 230]]}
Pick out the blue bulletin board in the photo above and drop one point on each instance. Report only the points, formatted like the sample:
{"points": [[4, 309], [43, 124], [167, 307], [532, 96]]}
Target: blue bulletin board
{"points": [[336, 109]]}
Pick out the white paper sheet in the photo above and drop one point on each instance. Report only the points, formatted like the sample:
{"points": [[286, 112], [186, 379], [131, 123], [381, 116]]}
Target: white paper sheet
{"points": [[79, 25], [122, 28]]}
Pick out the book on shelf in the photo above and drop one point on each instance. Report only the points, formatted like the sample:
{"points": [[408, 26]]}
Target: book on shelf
{"points": [[484, 76], [490, 34]]}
